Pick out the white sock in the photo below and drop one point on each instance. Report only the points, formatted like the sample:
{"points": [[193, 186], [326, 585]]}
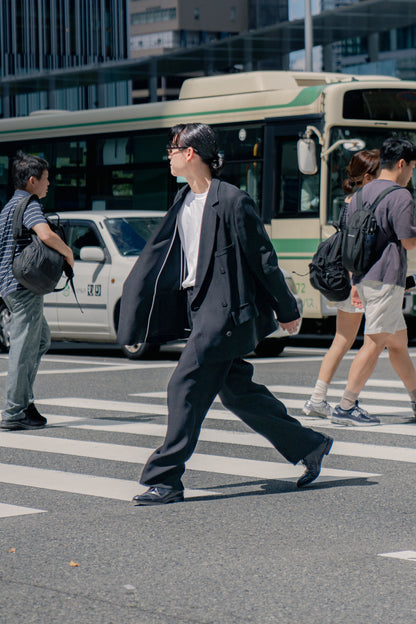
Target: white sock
{"points": [[412, 395], [319, 392]]}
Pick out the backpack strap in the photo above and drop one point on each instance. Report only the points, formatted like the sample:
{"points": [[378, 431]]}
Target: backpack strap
{"points": [[377, 200], [17, 225]]}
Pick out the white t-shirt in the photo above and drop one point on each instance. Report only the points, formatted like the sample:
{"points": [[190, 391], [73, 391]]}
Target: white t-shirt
{"points": [[189, 223]]}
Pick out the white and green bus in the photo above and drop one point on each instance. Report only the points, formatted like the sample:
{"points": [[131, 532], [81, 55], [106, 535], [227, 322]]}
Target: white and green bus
{"points": [[267, 122]]}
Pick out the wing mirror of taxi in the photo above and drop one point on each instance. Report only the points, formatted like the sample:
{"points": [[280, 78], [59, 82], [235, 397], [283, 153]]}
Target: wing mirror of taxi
{"points": [[92, 254]]}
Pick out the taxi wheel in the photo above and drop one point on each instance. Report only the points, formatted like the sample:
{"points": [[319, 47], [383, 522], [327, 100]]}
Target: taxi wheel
{"points": [[140, 350], [5, 318], [270, 347]]}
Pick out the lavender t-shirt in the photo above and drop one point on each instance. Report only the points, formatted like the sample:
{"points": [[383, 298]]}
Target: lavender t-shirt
{"points": [[395, 219]]}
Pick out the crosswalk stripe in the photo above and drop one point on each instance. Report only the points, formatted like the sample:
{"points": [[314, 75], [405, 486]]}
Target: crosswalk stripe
{"points": [[75, 483], [125, 406], [299, 403], [6, 511], [377, 383], [132, 454], [96, 369], [214, 413], [365, 394], [220, 436]]}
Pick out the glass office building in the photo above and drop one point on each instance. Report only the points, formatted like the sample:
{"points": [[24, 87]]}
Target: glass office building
{"points": [[47, 36]]}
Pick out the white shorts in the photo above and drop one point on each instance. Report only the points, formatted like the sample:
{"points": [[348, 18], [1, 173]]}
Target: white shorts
{"points": [[346, 306], [383, 305]]}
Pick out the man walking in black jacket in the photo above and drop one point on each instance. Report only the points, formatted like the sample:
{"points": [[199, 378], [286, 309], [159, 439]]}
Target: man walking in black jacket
{"points": [[212, 268]]}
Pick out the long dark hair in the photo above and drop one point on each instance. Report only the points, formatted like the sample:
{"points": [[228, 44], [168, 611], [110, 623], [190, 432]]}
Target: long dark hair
{"points": [[202, 139], [366, 161]]}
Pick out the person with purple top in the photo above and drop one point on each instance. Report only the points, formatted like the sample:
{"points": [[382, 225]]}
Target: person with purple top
{"points": [[381, 289]]}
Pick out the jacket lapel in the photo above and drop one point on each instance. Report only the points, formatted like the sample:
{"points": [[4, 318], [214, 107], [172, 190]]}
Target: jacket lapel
{"points": [[208, 234], [169, 222]]}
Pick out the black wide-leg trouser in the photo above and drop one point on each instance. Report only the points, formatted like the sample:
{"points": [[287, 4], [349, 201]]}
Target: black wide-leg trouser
{"points": [[191, 391]]}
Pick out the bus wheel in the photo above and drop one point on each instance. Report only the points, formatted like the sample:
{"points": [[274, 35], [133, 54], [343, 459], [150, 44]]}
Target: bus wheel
{"points": [[5, 318], [270, 347], [140, 350]]}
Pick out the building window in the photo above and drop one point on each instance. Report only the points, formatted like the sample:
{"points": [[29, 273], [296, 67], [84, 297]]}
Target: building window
{"points": [[153, 15], [233, 14], [196, 13]]}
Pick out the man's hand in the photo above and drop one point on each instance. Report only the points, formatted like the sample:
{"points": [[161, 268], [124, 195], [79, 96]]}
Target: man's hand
{"points": [[291, 327]]}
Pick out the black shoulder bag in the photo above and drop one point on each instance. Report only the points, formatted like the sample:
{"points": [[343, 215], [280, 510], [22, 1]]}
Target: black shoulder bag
{"points": [[38, 267]]}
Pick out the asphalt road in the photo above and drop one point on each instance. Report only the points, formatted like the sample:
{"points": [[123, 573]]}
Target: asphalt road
{"points": [[245, 547]]}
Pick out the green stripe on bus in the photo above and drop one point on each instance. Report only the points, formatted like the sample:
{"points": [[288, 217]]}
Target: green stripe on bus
{"points": [[296, 245], [305, 97]]}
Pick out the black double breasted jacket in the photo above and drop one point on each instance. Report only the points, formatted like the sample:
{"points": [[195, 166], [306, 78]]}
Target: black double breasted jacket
{"points": [[239, 287]]}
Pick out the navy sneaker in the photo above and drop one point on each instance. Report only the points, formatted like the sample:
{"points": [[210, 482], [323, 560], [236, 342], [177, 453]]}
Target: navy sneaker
{"points": [[355, 416]]}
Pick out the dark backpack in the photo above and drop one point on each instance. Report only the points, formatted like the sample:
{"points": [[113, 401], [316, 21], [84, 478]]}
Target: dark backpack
{"points": [[38, 267], [326, 271], [359, 237]]}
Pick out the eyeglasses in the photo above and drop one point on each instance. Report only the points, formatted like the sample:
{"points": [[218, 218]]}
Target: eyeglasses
{"points": [[170, 147]]}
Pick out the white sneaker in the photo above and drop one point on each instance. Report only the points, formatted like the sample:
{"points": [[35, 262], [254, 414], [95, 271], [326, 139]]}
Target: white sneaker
{"points": [[321, 409]]}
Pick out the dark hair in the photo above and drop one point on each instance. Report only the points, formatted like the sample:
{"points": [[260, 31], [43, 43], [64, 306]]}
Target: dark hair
{"points": [[366, 161], [203, 140], [394, 149], [25, 166]]}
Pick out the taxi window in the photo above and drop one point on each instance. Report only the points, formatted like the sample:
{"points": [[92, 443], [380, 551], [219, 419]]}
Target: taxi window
{"points": [[130, 234], [82, 235]]}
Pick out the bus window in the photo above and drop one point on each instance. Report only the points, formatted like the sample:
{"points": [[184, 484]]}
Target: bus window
{"points": [[150, 188], [240, 142], [113, 151], [129, 188], [309, 193], [299, 194], [70, 154], [246, 176]]}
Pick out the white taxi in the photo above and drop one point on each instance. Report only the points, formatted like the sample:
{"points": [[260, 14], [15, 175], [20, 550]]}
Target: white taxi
{"points": [[105, 244]]}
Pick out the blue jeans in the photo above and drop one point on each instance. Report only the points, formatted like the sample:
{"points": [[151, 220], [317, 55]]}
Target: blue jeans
{"points": [[30, 338]]}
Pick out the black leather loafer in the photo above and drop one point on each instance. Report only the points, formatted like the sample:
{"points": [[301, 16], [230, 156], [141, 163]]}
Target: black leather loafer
{"points": [[158, 496], [313, 462]]}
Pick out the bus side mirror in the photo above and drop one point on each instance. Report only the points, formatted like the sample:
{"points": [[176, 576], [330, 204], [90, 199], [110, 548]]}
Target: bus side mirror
{"points": [[307, 162]]}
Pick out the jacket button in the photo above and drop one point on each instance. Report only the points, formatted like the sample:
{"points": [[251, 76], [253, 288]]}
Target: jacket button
{"points": [[229, 334], [224, 304], [222, 270]]}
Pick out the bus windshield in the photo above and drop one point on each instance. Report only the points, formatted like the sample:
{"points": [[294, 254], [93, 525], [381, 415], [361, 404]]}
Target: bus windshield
{"points": [[380, 104], [339, 159]]}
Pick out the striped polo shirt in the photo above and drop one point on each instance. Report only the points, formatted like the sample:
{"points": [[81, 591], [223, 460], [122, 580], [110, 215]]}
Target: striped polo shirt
{"points": [[32, 216]]}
